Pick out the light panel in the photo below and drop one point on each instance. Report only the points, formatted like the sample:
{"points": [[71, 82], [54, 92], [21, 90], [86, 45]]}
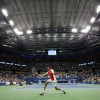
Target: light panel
{"points": [[11, 22], [86, 30], [92, 20], [29, 31], [98, 9], [17, 31], [4, 12], [74, 30]]}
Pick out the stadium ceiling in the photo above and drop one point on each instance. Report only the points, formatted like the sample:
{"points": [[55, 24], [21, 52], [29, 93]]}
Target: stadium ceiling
{"points": [[46, 24]]}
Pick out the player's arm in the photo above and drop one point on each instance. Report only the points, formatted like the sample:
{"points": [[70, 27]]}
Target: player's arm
{"points": [[44, 74]]}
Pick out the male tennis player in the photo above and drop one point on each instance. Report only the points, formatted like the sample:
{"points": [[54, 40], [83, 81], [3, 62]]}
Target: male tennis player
{"points": [[51, 80]]}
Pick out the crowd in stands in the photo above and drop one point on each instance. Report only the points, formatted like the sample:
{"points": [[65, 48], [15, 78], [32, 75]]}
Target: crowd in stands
{"points": [[8, 78], [58, 66], [93, 79], [12, 79]]}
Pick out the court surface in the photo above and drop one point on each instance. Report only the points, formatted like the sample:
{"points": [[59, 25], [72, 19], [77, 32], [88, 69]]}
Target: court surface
{"points": [[31, 92]]}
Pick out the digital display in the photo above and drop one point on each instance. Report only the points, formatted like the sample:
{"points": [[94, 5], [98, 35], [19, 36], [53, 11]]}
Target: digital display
{"points": [[52, 52]]}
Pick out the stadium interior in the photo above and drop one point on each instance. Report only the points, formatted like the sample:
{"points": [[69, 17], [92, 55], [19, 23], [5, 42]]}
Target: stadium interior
{"points": [[62, 34]]}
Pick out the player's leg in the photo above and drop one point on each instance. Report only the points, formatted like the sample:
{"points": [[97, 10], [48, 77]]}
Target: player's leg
{"points": [[45, 85], [58, 88]]}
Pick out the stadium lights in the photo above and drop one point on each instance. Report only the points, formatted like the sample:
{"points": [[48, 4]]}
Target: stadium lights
{"points": [[11, 64], [83, 31], [60, 51], [20, 33], [4, 12], [24, 65], [29, 31], [43, 51], [92, 20], [2, 62], [17, 31], [98, 9], [74, 30], [11, 23], [38, 51], [86, 30], [7, 45]]}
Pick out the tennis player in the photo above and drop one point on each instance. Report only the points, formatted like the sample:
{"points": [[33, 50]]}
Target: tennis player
{"points": [[52, 79]]}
